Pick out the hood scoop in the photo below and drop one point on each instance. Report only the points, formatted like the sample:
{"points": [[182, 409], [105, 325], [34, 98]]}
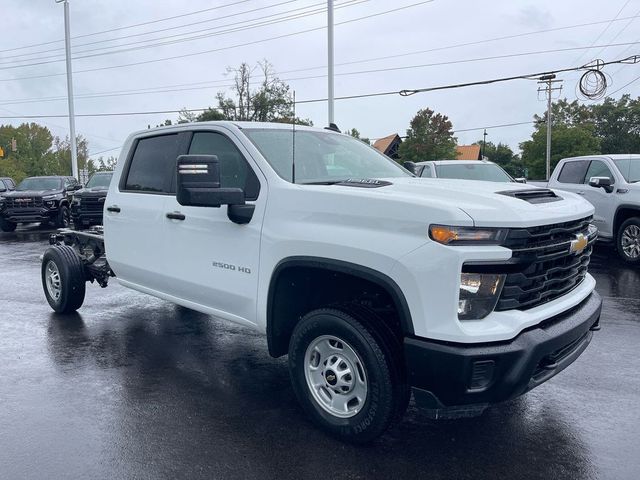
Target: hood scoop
{"points": [[364, 183], [537, 195]]}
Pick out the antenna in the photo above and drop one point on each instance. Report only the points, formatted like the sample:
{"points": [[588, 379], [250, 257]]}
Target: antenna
{"points": [[293, 143]]}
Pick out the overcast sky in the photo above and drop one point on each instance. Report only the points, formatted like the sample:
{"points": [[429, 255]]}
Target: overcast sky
{"points": [[410, 37]]}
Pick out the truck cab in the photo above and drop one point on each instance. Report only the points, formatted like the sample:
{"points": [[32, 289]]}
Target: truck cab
{"points": [[611, 184]]}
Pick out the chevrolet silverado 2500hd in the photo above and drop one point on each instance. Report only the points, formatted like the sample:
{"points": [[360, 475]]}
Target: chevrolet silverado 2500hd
{"points": [[375, 283]]}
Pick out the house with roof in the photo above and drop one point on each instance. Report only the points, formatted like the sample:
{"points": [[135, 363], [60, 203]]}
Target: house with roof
{"points": [[468, 152], [389, 145]]}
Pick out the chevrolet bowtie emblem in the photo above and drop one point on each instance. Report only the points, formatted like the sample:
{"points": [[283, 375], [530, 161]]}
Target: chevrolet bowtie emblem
{"points": [[579, 244]]}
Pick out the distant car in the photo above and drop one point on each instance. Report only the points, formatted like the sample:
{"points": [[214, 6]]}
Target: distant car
{"points": [[464, 170], [88, 203]]}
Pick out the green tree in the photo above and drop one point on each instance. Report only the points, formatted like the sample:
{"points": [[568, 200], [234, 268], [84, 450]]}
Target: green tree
{"points": [[356, 134], [617, 124], [33, 144], [566, 141], [503, 156], [106, 165], [429, 137]]}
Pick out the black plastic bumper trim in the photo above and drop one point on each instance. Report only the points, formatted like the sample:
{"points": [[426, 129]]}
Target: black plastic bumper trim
{"points": [[441, 372]]}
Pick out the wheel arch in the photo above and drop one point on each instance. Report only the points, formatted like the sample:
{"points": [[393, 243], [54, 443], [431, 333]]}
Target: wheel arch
{"points": [[291, 277], [624, 212]]}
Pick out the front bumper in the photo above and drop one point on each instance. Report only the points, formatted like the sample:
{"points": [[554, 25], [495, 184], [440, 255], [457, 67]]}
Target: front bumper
{"points": [[29, 215], [448, 375]]}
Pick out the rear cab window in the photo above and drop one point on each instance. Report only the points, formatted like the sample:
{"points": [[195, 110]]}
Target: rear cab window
{"points": [[574, 172]]}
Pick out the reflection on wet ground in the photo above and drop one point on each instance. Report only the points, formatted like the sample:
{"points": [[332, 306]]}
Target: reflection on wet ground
{"points": [[134, 387]]}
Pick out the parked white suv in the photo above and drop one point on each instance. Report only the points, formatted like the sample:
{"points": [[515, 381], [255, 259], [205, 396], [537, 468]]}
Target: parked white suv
{"points": [[612, 184], [374, 282]]}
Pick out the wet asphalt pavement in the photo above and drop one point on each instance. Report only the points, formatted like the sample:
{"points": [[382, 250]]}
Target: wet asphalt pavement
{"points": [[135, 387]]}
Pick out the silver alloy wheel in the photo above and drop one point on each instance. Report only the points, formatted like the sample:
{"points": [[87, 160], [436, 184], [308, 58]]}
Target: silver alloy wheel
{"points": [[53, 280], [631, 241], [335, 376]]}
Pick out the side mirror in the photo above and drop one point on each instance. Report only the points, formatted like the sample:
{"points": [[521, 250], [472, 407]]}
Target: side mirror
{"points": [[199, 183], [78, 186], [602, 182], [410, 166], [521, 180]]}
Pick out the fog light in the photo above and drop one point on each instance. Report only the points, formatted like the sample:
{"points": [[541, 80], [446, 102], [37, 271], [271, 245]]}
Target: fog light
{"points": [[479, 293], [481, 374]]}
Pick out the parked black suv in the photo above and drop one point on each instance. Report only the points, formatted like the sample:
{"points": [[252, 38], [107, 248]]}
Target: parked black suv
{"points": [[38, 199], [88, 203]]}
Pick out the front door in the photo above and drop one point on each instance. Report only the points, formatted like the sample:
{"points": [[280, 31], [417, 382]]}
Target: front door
{"points": [[213, 261], [603, 201]]}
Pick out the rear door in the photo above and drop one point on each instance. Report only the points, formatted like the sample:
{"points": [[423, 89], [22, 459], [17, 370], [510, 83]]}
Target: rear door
{"points": [[134, 212], [212, 261]]}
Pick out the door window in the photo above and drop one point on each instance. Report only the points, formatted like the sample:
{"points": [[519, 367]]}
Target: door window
{"points": [[573, 172], [235, 172], [152, 164], [426, 171], [598, 168]]}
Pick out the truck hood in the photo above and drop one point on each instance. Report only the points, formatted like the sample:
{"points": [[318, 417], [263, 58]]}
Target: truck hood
{"points": [[92, 191], [33, 193], [489, 203]]}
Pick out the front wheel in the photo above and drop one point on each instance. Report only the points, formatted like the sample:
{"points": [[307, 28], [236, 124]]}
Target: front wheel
{"points": [[63, 279], [344, 375], [7, 226], [628, 240], [64, 217]]}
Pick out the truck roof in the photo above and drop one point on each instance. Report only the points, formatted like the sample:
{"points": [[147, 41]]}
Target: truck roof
{"points": [[229, 123], [454, 162], [612, 156]]}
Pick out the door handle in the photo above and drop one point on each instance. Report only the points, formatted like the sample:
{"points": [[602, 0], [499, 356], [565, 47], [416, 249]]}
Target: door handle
{"points": [[114, 209], [580, 192], [175, 216]]}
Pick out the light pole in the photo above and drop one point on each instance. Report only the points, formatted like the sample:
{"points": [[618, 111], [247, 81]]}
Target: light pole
{"points": [[72, 119], [330, 59], [549, 80]]}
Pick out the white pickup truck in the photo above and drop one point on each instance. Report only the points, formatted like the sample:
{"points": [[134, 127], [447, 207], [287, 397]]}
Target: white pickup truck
{"points": [[612, 184], [375, 283]]}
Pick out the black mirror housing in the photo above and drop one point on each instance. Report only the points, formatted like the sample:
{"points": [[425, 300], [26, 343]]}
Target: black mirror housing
{"points": [[198, 183], [602, 182]]}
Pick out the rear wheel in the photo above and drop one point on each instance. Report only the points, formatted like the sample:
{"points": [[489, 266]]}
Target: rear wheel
{"points": [[628, 240], [63, 279], [7, 226], [345, 375]]}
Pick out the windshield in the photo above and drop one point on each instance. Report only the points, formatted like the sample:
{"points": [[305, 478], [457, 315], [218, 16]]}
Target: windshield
{"points": [[39, 183], [474, 171], [100, 180], [322, 157], [629, 168]]}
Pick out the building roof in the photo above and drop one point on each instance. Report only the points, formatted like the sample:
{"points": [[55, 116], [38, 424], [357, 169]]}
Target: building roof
{"points": [[468, 152], [384, 144]]}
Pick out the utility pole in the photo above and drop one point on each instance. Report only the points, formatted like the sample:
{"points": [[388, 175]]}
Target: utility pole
{"points": [[72, 118], [330, 59], [549, 81], [484, 143]]}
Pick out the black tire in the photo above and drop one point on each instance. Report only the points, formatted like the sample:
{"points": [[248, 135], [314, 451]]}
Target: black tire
{"points": [[386, 396], [630, 227], [64, 217], [7, 226], [70, 291]]}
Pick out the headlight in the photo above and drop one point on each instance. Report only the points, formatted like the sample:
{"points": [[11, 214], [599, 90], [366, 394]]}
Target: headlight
{"points": [[50, 203], [479, 293], [466, 235], [49, 197]]}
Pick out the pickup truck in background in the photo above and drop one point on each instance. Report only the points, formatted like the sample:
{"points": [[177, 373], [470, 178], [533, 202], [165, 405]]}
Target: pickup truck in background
{"points": [[463, 169], [38, 199], [88, 203], [376, 284], [611, 183]]}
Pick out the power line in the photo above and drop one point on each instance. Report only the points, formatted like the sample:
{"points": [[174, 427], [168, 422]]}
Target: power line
{"points": [[404, 93], [212, 32], [209, 85], [146, 62], [114, 29]]}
